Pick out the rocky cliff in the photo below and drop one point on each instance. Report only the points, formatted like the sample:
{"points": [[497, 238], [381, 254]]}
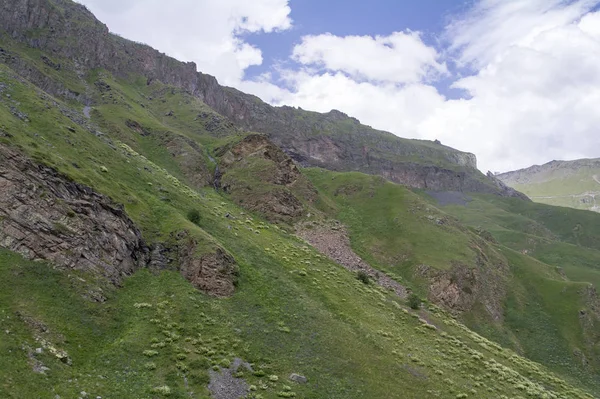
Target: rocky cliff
{"points": [[44, 216], [67, 30]]}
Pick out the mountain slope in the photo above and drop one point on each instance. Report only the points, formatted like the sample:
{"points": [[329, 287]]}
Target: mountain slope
{"points": [[333, 140], [213, 280], [293, 311], [575, 184], [555, 283]]}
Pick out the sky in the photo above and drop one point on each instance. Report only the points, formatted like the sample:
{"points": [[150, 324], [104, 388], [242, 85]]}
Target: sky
{"points": [[516, 82]]}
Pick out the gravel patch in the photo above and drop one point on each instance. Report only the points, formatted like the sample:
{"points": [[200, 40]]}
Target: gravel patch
{"points": [[223, 384], [335, 244]]}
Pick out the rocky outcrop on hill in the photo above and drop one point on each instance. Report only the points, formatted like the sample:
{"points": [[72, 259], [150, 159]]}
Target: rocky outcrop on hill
{"points": [[262, 178], [214, 273], [45, 216], [506, 190], [332, 140]]}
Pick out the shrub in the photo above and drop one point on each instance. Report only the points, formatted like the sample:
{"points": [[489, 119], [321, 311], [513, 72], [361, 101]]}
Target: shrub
{"points": [[363, 276], [414, 301], [194, 216], [150, 366], [162, 390]]}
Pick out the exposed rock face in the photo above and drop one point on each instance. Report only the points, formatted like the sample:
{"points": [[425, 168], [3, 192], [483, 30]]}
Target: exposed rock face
{"points": [[257, 145], [214, 273], [507, 191], [332, 140], [45, 216], [262, 178], [461, 288]]}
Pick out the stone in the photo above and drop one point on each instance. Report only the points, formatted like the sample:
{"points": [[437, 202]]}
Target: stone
{"points": [[300, 379]]}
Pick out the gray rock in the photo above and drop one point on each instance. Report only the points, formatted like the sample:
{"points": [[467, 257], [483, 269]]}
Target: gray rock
{"points": [[300, 379], [45, 216]]}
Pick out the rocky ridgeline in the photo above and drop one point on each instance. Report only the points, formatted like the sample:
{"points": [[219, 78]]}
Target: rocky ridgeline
{"points": [[67, 30]]}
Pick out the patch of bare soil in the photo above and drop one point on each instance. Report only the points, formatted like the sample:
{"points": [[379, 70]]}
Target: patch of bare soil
{"points": [[333, 242]]}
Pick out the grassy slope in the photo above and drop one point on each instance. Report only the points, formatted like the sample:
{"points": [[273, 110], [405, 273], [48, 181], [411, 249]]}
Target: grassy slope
{"points": [[349, 339], [543, 308], [570, 184], [396, 231]]}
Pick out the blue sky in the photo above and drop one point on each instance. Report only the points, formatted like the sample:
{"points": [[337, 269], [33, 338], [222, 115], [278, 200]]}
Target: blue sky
{"points": [[516, 82], [352, 17]]}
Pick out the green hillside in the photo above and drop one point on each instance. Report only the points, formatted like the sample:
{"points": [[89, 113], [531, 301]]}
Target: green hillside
{"points": [[574, 184], [250, 269], [293, 310]]}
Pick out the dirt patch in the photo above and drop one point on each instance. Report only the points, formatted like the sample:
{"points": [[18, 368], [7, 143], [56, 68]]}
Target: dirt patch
{"points": [[333, 242]]}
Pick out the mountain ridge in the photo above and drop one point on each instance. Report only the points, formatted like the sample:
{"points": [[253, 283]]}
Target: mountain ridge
{"points": [[332, 140], [575, 184]]}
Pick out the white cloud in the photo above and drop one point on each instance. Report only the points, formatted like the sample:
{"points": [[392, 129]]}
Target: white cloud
{"points": [[407, 58], [205, 31], [535, 94], [492, 27]]}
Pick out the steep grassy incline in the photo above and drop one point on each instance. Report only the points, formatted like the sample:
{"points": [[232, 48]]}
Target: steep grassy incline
{"points": [[575, 184], [554, 297], [293, 311], [549, 314]]}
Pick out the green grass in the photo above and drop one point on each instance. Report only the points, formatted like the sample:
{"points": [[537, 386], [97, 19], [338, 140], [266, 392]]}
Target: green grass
{"points": [[544, 303], [293, 310]]}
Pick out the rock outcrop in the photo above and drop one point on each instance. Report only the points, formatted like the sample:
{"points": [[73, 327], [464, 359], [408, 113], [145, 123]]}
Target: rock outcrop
{"points": [[261, 177], [215, 273], [45, 216], [332, 140], [506, 190], [462, 288]]}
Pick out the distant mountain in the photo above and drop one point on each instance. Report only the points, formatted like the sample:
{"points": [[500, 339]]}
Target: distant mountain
{"points": [[575, 184]]}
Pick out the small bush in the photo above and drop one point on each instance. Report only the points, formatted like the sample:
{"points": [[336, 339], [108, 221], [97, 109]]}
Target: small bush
{"points": [[194, 216], [414, 301], [162, 390], [363, 276], [150, 366]]}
